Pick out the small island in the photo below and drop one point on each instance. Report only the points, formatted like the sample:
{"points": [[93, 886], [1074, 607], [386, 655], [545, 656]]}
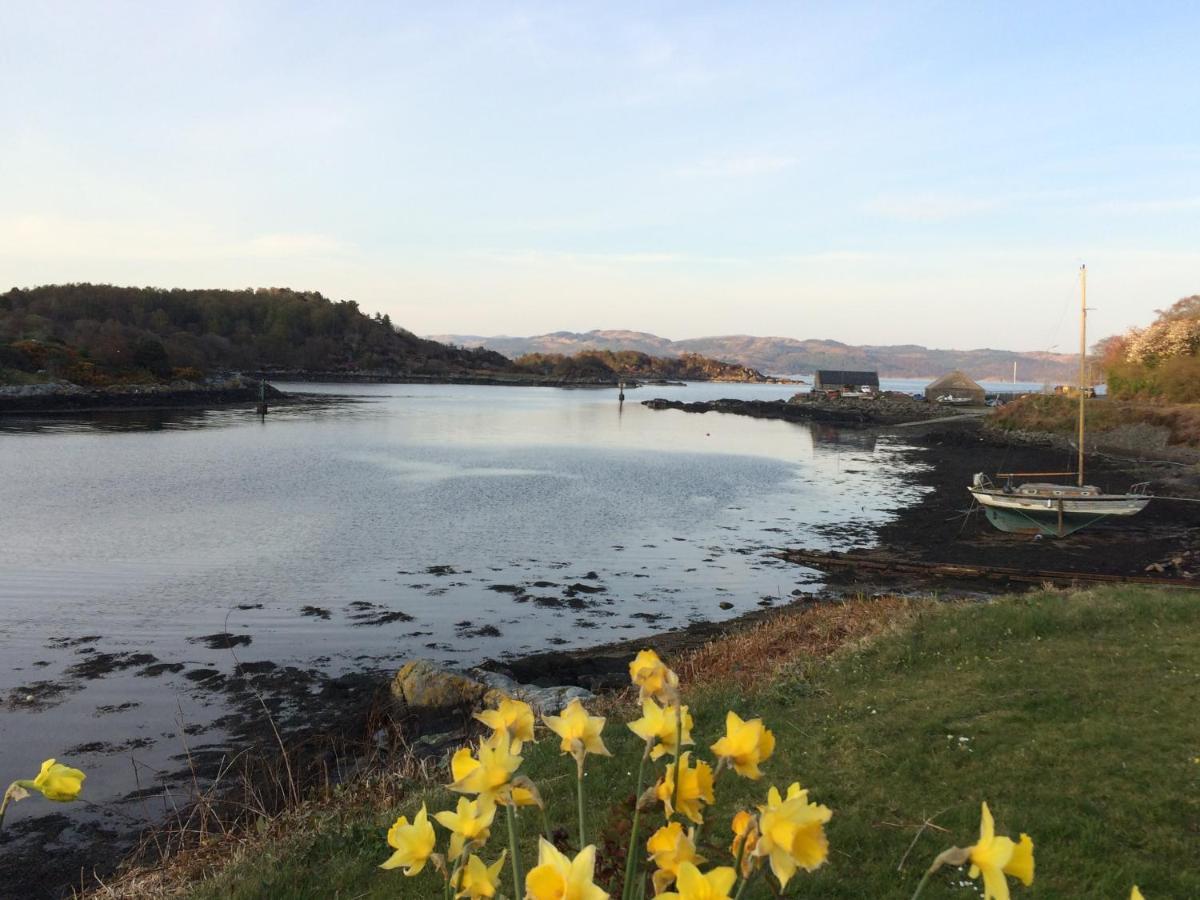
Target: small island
{"points": [[75, 347]]}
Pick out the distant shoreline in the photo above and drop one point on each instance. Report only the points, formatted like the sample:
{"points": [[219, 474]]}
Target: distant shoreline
{"points": [[62, 397]]}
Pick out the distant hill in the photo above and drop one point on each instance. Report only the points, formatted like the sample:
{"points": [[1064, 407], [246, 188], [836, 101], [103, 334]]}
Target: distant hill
{"points": [[790, 356], [98, 334], [633, 364]]}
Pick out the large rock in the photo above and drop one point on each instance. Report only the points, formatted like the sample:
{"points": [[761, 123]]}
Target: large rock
{"points": [[543, 700], [433, 692], [426, 689]]}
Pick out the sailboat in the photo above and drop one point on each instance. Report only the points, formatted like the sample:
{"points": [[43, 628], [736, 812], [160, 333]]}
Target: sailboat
{"points": [[1056, 510]]}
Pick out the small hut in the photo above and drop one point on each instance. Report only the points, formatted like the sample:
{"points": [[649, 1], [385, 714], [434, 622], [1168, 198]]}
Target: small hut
{"points": [[839, 380], [957, 386]]}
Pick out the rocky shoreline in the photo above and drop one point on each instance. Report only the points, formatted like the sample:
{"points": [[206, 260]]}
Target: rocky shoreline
{"points": [[847, 412], [63, 397]]}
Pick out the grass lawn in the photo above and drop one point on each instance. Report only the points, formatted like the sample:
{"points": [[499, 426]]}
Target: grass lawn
{"points": [[1075, 715]]}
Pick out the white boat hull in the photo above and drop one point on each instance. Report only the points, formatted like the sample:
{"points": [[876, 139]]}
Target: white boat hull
{"points": [[1053, 511]]}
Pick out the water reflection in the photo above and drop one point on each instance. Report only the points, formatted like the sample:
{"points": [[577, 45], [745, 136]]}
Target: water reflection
{"points": [[829, 437], [343, 535]]}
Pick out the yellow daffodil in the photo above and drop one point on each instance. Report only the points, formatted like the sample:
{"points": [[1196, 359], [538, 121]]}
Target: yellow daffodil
{"points": [[792, 833], [695, 788], [476, 880], [660, 723], [745, 830], [1021, 864], [692, 884], [490, 773], [469, 824], [745, 745], [57, 782], [994, 856], [580, 732], [523, 792], [513, 717], [669, 848], [413, 844], [652, 678], [1135, 894], [558, 877]]}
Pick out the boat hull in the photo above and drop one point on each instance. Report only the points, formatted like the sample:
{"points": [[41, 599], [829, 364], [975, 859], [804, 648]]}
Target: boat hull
{"points": [[1054, 516]]}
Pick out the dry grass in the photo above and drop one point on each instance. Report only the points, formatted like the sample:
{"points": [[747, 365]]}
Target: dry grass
{"points": [[1059, 415], [201, 844], [222, 825], [749, 658]]}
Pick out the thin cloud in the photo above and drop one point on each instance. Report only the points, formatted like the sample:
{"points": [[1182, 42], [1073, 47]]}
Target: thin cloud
{"points": [[73, 238], [751, 166], [933, 206]]}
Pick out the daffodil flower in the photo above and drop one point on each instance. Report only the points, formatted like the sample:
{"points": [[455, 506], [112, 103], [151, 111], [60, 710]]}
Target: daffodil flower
{"points": [[558, 877], [695, 788], [489, 774], [1135, 894], [55, 781], [994, 856], [580, 732], [470, 824], [692, 884], [523, 792], [661, 724], [413, 843], [745, 745], [669, 848], [745, 838], [652, 678], [792, 833], [476, 880], [513, 717]]}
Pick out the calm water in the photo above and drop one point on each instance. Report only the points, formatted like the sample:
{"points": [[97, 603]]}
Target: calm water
{"points": [[451, 522]]}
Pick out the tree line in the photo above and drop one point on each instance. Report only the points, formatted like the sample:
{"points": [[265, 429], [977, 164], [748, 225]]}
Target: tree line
{"points": [[1161, 361], [93, 333], [610, 364]]}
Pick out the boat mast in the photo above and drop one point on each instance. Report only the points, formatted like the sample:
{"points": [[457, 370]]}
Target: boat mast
{"points": [[1082, 358]]}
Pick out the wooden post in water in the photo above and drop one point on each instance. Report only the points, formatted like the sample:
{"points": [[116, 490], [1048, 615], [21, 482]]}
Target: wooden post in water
{"points": [[262, 398], [1082, 359], [621, 392]]}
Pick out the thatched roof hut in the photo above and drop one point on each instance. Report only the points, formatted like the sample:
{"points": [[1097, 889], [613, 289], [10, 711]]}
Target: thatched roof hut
{"points": [[957, 385]]}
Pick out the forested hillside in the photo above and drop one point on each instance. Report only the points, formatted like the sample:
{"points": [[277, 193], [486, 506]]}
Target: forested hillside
{"points": [[607, 364], [790, 356], [97, 334]]}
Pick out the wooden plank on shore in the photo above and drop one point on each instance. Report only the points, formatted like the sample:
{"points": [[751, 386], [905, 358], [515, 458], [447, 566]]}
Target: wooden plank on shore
{"points": [[831, 560]]}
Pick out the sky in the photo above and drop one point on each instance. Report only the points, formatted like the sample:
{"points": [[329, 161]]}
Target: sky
{"points": [[875, 173]]}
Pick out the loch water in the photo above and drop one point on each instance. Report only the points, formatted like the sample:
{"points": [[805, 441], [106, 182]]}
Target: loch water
{"points": [[145, 555]]}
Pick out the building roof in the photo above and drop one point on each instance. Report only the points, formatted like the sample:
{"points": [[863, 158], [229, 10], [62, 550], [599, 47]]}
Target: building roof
{"points": [[955, 381], [839, 376]]}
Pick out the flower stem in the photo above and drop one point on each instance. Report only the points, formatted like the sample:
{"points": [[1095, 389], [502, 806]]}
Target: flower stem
{"points": [[631, 856], [678, 750], [955, 856], [579, 794], [741, 854], [512, 848], [924, 881], [745, 883], [7, 798], [4, 803]]}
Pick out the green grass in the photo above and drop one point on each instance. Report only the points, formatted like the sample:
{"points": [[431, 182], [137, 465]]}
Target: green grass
{"points": [[1081, 719]]}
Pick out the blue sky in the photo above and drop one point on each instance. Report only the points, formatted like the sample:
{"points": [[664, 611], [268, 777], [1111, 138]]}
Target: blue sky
{"points": [[926, 173]]}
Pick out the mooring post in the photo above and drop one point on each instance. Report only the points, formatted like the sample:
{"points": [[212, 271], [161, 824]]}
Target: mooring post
{"points": [[620, 392], [262, 397]]}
